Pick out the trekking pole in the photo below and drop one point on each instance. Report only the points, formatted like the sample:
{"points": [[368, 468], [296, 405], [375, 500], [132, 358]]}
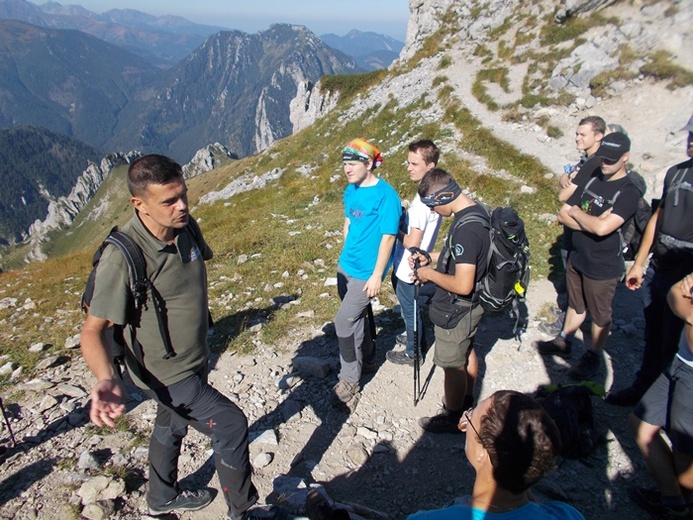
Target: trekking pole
{"points": [[7, 422], [417, 350]]}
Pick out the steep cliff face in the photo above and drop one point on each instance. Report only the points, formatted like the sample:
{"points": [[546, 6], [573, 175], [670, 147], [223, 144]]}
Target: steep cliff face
{"points": [[235, 89], [206, 159], [310, 104], [63, 210]]}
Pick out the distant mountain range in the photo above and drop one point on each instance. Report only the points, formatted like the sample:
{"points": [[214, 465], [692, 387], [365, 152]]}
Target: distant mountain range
{"points": [[234, 89], [165, 40], [370, 50], [161, 40], [125, 80]]}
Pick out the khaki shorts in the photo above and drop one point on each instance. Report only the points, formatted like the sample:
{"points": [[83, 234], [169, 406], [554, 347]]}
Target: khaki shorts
{"points": [[452, 345], [587, 294]]}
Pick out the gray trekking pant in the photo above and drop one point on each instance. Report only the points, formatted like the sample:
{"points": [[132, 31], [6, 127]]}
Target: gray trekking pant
{"points": [[353, 325]]}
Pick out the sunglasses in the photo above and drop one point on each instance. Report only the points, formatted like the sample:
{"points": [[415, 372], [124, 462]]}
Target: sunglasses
{"points": [[462, 426], [438, 199]]}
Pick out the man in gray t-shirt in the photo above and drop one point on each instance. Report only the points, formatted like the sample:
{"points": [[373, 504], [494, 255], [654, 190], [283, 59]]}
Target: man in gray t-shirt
{"points": [[173, 372]]}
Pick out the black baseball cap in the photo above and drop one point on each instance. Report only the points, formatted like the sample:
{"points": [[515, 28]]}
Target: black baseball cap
{"points": [[613, 146]]}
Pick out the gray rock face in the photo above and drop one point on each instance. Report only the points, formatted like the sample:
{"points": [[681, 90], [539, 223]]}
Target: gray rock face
{"points": [[62, 211], [205, 160], [309, 105]]}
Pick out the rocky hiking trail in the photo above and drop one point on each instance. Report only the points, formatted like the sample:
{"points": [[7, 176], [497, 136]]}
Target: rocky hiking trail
{"points": [[373, 458]]}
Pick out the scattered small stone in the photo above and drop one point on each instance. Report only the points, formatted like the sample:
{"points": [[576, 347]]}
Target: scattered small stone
{"points": [[73, 342], [87, 461], [262, 460]]}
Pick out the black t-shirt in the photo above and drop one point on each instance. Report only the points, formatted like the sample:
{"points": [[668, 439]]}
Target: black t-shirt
{"points": [[676, 220], [600, 257], [466, 244], [586, 168]]}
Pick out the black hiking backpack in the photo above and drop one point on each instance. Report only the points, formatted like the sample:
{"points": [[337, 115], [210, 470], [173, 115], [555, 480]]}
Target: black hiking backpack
{"points": [[139, 285], [570, 407], [633, 229], [507, 270]]}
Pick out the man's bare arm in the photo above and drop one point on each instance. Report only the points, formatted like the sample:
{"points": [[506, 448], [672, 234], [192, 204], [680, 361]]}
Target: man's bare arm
{"points": [[373, 283], [108, 392]]}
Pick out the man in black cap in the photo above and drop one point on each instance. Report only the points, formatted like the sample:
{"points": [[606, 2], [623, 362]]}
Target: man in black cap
{"points": [[595, 212], [670, 232]]}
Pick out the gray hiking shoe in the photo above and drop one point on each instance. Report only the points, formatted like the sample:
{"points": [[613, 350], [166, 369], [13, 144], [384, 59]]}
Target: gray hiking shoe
{"points": [[399, 357], [185, 501], [345, 392], [401, 339], [445, 422], [552, 329]]}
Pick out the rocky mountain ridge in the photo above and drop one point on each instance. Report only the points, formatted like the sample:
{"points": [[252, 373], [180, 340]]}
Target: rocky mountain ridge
{"points": [[62, 211]]}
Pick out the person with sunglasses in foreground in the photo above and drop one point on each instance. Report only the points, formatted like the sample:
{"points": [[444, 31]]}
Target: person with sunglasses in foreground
{"points": [[511, 443]]}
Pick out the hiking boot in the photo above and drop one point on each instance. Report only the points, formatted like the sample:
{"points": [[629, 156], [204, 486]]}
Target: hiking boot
{"points": [[551, 329], [261, 513], [558, 346], [651, 501], [399, 357], [625, 397], [344, 391], [402, 340], [586, 367], [319, 508], [444, 422], [185, 501]]}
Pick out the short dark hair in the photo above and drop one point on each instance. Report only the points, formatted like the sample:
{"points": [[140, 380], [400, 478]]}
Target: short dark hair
{"points": [[521, 439], [597, 123], [434, 180], [426, 149], [152, 169]]}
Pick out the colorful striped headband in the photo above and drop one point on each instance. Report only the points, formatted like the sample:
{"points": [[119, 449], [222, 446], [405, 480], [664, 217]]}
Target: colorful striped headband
{"points": [[363, 151]]}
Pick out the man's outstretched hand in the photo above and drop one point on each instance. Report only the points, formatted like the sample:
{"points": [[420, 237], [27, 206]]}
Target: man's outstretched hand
{"points": [[107, 402]]}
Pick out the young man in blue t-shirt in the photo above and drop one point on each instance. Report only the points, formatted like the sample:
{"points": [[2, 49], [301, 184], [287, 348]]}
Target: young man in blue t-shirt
{"points": [[372, 210]]}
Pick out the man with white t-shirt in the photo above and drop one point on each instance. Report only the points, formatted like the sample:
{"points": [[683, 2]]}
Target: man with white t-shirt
{"points": [[419, 229]]}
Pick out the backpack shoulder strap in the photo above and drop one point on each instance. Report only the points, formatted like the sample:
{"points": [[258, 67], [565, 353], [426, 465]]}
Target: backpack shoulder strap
{"points": [[468, 219], [137, 266], [140, 284]]}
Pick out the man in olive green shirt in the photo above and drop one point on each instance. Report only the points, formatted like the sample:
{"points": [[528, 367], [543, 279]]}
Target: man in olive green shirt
{"points": [[173, 372]]}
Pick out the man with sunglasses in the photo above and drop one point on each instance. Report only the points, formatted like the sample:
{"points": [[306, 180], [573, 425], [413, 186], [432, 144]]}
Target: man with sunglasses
{"points": [[511, 443], [454, 309], [595, 212]]}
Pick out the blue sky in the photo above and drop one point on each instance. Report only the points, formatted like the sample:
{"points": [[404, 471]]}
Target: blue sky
{"points": [[320, 16]]}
